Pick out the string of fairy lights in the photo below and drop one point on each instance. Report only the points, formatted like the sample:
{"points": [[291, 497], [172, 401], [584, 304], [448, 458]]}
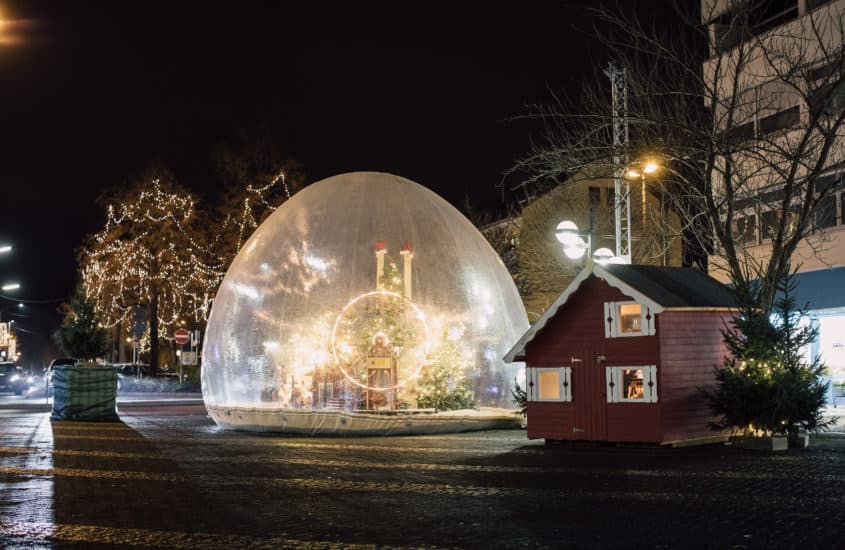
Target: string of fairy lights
{"points": [[148, 248]]}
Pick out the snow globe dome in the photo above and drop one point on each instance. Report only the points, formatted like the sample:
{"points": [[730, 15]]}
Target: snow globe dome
{"points": [[364, 304]]}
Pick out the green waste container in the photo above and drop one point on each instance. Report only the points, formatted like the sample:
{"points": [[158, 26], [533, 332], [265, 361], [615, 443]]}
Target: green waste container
{"points": [[85, 393]]}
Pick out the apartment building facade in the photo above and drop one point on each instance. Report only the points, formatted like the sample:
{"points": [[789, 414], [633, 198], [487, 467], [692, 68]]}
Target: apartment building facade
{"points": [[773, 110]]}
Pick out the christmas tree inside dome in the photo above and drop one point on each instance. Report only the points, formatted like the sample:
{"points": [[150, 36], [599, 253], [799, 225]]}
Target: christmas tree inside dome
{"points": [[364, 304]]}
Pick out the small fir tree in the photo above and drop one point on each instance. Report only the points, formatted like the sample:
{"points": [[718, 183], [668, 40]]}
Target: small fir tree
{"points": [[443, 384], [81, 334], [764, 385], [520, 397]]}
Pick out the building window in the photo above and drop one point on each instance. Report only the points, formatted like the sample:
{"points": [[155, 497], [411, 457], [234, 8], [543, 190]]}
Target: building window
{"points": [[826, 212], [743, 132], [627, 319], [745, 229], [813, 4], [595, 196], [782, 120], [611, 197], [631, 384], [842, 207], [550, 384], [769, 223]]}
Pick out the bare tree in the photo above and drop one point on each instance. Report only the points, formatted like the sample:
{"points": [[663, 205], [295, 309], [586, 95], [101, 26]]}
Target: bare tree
{"points": [[742, 110], [257, 178]]}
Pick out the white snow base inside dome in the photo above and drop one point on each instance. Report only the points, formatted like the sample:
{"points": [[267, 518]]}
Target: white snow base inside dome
{"points": [[340, 422]]}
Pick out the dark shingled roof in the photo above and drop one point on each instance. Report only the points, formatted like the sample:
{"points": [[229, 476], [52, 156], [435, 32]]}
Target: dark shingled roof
{"points": [[674, 286]]}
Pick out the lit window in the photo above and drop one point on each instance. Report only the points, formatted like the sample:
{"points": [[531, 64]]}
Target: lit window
{"points": [[632, 384], [549, 385], [627, 319], [553, 384]]}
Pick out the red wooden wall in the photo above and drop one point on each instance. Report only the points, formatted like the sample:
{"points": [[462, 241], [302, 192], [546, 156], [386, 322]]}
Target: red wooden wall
{"points": [[691, 345], [577, 331], [687, 346]]}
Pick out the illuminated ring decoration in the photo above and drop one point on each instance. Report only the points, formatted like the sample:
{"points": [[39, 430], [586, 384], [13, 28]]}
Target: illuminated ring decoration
{"points": [[419, 315]]}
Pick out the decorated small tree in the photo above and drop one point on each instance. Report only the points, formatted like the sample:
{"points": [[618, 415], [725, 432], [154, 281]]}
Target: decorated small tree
{"points": [[443, 385], [766, 386], [81, 335]]}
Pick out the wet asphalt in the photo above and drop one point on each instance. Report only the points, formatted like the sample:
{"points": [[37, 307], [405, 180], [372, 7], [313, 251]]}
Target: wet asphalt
{"points": [[167, 477]]}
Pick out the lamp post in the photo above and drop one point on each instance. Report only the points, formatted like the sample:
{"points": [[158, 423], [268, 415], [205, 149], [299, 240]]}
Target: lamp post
{"points": [[650, 167], [576, 245]]}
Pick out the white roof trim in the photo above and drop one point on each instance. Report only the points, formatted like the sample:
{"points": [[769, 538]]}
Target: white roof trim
{"points": [[599, 272], [627, 290]]}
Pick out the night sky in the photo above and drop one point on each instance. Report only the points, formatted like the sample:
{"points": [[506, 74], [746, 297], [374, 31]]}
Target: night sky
{"points": [[90, 92]]}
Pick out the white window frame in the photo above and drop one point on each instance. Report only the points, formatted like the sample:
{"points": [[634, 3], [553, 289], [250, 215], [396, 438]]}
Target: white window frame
{"points": [[565, 380], [613, 377], [611, 328]]}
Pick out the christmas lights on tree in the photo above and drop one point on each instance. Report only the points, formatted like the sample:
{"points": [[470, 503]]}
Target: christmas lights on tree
{"points": [[154, 253]]}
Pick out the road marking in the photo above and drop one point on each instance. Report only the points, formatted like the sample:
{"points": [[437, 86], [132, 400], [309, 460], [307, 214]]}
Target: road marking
{"points": [[71, 452], [99, 534], [326, 463], [336, 485]]}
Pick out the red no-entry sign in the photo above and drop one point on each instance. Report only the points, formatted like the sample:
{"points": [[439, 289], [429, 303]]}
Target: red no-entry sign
{"points": [[181, 336]]}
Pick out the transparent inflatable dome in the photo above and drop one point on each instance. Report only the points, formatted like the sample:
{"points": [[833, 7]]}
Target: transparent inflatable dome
{"points": [[364, 303]]}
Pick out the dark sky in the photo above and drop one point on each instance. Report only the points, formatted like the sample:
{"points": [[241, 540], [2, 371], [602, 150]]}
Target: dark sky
{"points": [[95, 90]]}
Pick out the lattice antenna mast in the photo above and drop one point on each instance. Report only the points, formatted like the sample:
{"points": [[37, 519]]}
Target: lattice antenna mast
{"points": [[622, 211]]}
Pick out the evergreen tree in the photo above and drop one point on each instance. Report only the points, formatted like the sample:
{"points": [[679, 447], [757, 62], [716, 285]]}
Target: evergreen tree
{"points": [[81, 335], [520, 397], [764, 383], [443, 384]]}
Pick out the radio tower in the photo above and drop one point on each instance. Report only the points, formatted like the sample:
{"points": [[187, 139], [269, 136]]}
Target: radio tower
{"points": [[622, 211]]}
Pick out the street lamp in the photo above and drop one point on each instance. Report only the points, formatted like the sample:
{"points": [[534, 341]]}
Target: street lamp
{"points": [[10, 286], [5, 248], [576, 245], [648, 167]]}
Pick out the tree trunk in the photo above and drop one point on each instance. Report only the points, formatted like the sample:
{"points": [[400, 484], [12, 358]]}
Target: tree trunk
{"points": [[154, 331], [117, 344]]}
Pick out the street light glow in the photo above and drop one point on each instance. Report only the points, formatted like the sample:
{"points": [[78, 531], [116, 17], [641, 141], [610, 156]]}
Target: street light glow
{"points": [[5, 248], [576, 249], [11, 286], [649, 168], [567, 233]]}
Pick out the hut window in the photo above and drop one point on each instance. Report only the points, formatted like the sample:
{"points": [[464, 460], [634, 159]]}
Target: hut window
{"points": [[627, 319], [631, 384], [550, 384]]}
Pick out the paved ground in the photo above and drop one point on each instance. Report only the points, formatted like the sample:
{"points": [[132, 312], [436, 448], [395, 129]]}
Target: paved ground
{"points": [[166, 477]]}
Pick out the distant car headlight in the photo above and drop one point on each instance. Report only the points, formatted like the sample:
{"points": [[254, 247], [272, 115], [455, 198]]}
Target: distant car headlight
{"points": [[15, 378]]}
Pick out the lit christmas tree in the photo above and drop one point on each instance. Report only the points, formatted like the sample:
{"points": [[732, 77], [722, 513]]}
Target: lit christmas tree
{"points": [[766, 385], [150, 255]]}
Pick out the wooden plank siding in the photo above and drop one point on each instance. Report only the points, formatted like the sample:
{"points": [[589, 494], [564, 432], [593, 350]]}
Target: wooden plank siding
{"points": [[577, 331], [550, 420], [691, 345], [634, 422]]}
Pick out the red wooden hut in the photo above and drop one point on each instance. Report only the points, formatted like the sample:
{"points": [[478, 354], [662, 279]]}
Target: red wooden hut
{"points": [[620, 356]]}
